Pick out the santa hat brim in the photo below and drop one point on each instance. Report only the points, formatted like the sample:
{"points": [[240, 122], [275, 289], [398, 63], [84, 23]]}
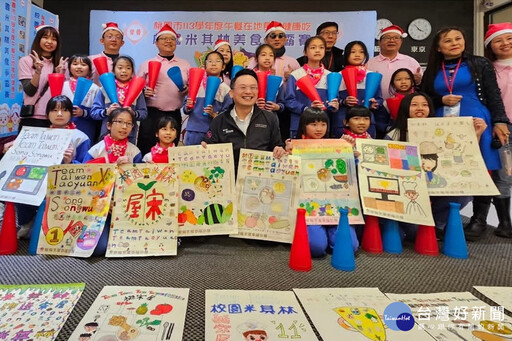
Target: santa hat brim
{"points": [[270, 30], [496, 34], [220, 44], [178, 37], [112, 28], [401, 34]]}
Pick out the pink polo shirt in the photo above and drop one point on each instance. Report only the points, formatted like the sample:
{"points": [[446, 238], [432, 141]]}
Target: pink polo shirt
{"points": [[281, 64], [387, 66], [167, 96], [95, 77], [504, 77], [26, 71]]}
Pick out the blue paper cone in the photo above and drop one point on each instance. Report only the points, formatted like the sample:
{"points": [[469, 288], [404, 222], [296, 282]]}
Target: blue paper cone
{"points": [[373, 80], [455, 245], [108, 81], [273, 83], [174, 74], [212, 85], [343, 252], [333, 85], [82, 87], [36, 227], [235, 69], [391, 240]]}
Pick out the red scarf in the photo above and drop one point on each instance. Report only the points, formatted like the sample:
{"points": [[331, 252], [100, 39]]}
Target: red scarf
{"points": [[159, 154], [72, 84], [361, 71], [349, 132], [115, 148], [70, 125], [122, 90], [314, 74]]}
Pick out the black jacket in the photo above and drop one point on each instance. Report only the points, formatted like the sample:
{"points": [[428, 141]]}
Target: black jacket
{"points": [[336, 65]]}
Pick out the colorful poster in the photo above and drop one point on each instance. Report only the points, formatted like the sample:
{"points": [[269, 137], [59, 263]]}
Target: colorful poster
{"points": [[255, 315], [450, 156], [144, 219], [206, 204], [134, 313], [457, 316], [328, 181], [36, 311], [40, 16], [355, 314], [500, 295], [77, 205], [391, 182], [267, 193], [24, 168]]}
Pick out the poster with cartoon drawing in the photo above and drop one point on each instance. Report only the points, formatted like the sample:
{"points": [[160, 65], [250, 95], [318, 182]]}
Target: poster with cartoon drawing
{"points": [[24, 168], [267, 193], [255, 315], [206, 201], [328, 181], [355, 314], [457, 316], [144, 219], [77, 205], [134, 313], [36, 311], [450, 156], [391, 182], [500, 295]]}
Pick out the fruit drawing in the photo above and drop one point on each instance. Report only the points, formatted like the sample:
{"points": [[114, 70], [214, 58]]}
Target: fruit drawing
{"points": [[142, 309]]}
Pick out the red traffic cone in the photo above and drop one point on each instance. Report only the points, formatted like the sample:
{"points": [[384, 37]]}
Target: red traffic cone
{"points": [[8, 239], [300, 255], [372, 240], [426, 242]]}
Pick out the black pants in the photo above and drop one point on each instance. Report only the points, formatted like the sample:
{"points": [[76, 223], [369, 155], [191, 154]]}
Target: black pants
{"points": [[147, 130]]}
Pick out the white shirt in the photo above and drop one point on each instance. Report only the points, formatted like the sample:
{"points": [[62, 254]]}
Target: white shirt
{"points": [[242, 124]]}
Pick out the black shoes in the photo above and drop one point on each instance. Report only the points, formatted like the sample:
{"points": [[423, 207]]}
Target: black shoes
{"points": [[504, 228]]}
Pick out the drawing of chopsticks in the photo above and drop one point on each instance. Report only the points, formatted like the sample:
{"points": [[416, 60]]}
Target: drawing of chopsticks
{"points": [[166, 324], [169, 331]]}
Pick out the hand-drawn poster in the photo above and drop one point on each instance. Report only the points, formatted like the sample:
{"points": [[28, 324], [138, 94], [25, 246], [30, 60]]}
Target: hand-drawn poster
{"points": [[144, 220], [77, 205], [457, 316], [267, 192], [134, 313], [206, 202], [36, 311], [391, 182], [328, 181], [233, 315], [450, 156], [24, 167], [355, 314], [500, 295]]}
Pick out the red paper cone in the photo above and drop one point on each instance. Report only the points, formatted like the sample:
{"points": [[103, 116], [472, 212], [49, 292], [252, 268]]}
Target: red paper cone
{"points": [[300, 255], [56, 82], [262, 83], [101, 65], [136, 86], [349, 77], [8, 239], [426, 242], [98, 160], [195, 76], [393, 104], [153, 71], [372, 240], [308, 88]]}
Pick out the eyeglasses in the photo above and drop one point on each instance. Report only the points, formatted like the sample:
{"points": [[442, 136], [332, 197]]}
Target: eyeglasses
{"points": [[245, 88], [329, 33], [391, 38], [126, 124], [215, 61], [278, 35], [112, 37], [167, 40]]}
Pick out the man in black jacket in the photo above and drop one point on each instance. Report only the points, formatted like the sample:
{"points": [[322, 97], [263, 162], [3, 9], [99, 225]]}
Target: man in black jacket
{"points": [[333, 59]]}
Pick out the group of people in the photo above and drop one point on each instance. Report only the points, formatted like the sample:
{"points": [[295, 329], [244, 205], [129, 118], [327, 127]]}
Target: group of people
{"points": [[455, 83]]}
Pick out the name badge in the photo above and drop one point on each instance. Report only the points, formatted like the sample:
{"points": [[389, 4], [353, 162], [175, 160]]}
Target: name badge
{"points": [[451, 111]]}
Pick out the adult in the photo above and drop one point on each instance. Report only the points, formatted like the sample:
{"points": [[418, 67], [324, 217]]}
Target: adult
{"points": [[244, 124], [112, 41], [333, 59], [165, 99], [390, 59], [461, 84]]}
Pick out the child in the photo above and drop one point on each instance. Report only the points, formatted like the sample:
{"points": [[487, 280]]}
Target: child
{"points": [[81, 66], [402, 83], [223, 47], [115, 147], [357, 121], [165, 133], [102, 107], [294, 99], [198, 123], [265, 57]]}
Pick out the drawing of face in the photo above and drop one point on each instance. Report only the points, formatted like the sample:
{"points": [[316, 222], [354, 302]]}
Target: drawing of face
{"points": [[411, 195], [256, 335], [428, 165], [266, 195]]}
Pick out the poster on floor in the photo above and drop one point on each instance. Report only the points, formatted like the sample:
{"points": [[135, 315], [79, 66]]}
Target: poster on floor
{"points": [[134, 313], [500, 295], [36, 311], [355, 314], [24, 168], [206, 195], [267, 193], [328, 181], [255, 315], [456, 316], [391, 182], [144, 220], [77, 205], [450, 156]]}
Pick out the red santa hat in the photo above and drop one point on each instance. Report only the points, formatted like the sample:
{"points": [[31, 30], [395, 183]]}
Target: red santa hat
{"points": [[274, 26], [219, 43], [495, 30], [110, 26], [167, 29], [393, 29], [40, 27]]}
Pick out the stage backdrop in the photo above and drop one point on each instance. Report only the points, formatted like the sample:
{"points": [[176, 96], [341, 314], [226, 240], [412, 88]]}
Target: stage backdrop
{"points": [[244, 30]]}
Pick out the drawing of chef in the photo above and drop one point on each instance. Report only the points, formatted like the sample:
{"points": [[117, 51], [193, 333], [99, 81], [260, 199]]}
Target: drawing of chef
{"points": [[253, 331], [413, 207]]}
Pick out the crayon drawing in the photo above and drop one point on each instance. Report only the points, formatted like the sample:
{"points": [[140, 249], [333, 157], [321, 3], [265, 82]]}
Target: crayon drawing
{"points": [[500, 295]]}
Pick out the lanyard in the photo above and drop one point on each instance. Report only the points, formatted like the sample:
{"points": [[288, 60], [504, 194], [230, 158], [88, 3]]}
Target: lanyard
{"points": [[450, 82]]}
